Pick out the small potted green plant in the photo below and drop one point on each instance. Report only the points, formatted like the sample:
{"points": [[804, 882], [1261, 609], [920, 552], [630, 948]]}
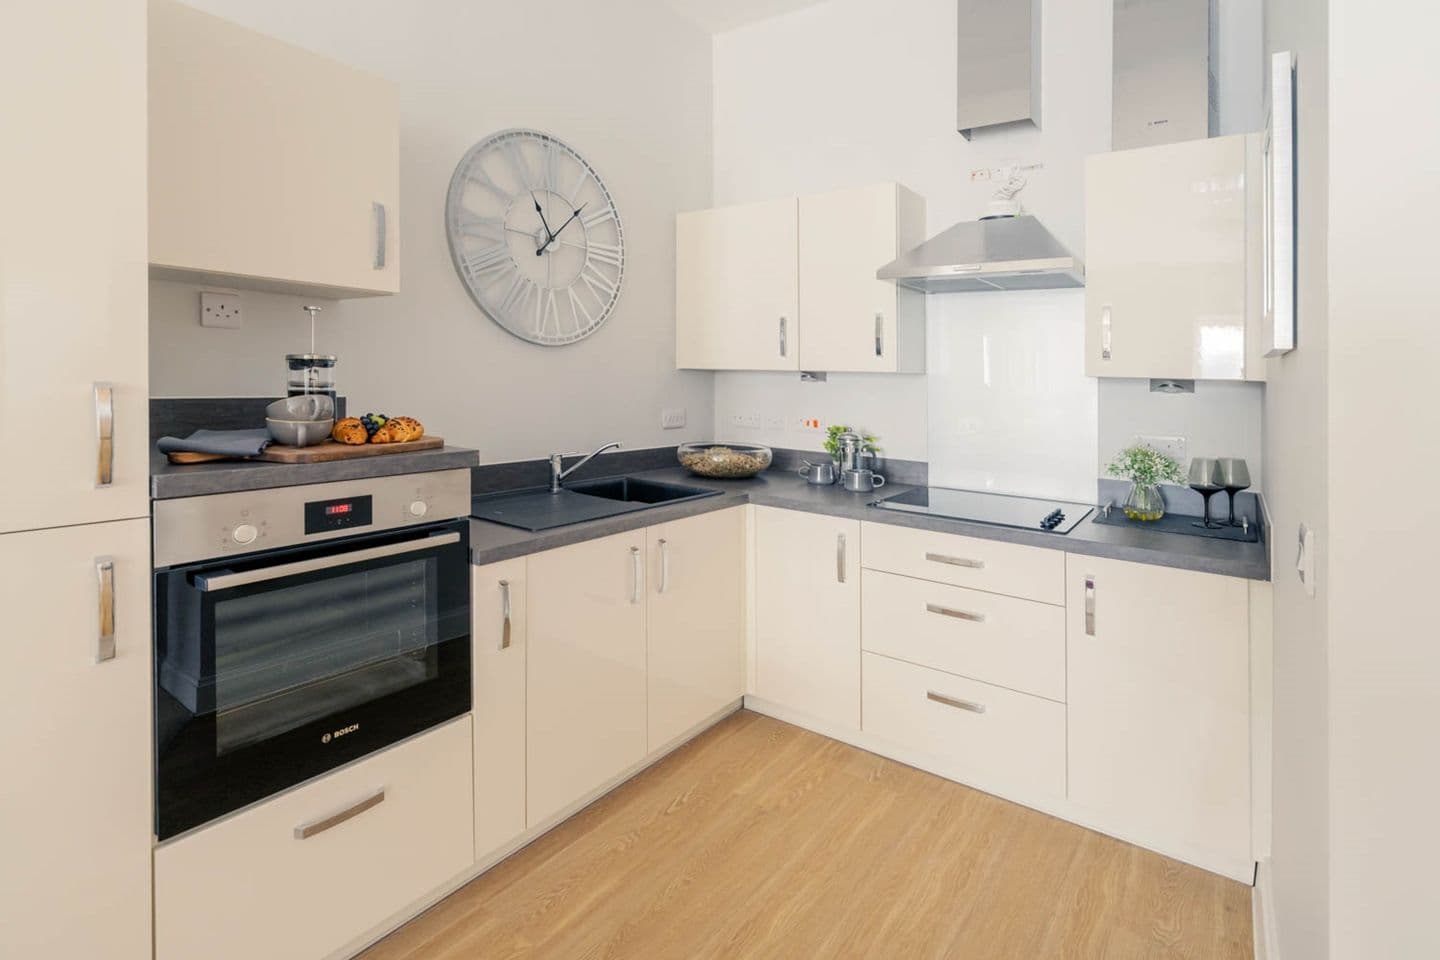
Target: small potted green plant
{"points": [[1146, 468], [832, 441]]}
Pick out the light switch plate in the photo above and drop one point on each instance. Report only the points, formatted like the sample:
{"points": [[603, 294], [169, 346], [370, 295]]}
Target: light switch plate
{"points": [[1173, 446], [220, 310], [672, 418]]}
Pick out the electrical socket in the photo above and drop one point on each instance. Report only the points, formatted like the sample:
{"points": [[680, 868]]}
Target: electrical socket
{"points": [[811, 423], [672, 418], [748, 421], [220, 310], [774, 422], [1175, 447]]}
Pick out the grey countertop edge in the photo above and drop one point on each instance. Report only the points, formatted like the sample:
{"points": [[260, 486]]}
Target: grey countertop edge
{"points": [[491, 542], [169, 481]]}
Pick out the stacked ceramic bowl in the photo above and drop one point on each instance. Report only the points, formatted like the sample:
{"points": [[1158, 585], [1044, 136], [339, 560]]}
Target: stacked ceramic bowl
{"points": [[301, 421]]}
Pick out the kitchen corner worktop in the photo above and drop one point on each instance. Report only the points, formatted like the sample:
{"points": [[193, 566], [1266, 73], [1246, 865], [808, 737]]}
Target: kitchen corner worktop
{"points": [[169, 480], [491, 542]]}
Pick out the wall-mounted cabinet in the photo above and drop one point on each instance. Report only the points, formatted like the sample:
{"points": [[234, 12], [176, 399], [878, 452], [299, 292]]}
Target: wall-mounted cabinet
{"points": [[1174, 260], [270, 166], [790, 284]]}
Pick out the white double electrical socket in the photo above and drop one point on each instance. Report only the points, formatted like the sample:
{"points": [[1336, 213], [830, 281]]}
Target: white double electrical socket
{"points": [[1174, 447], [749, 421], [220, 310], [672, 418]]}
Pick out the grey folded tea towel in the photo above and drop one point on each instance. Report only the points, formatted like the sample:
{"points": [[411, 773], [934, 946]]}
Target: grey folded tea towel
{"points": [[228, 443]]}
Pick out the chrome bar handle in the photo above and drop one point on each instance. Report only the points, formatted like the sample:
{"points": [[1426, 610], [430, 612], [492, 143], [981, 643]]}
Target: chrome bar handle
{"points": [[840, 557], [664, 565], [955, 561], [307, 830], [504, 614], [1090, 606], [636, 572], [879, 334], [1105, 332], [207, 582], [379, 209], [105, 571], [782, 337], [104, 434], [970, 705], [952, 612]]}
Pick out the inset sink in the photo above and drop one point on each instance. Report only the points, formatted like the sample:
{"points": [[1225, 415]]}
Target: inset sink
{"points": [[539, 509], [637, 490]]}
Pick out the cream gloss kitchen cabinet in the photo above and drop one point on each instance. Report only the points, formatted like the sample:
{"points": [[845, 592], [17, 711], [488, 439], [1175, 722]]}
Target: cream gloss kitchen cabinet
{"points": [[807, 615], [585, 680], [1174, 260], [75, 661], [1158, 664], [498, 645], [737, 287], [695, 615], [73, 321], [75, 803], [270, 166], [790, 284]]}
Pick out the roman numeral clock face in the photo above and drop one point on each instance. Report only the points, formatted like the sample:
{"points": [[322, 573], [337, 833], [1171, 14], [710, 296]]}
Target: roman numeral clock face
{"points": [[535, 237]]}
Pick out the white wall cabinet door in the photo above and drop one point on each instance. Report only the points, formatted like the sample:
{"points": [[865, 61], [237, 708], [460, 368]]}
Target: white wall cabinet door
{"points": [[585, 669], [1159, 704], [807, 614], [498, 636], [270, 166], [850, 321], [72, 266], [696, 620], [737, 289], [76, 819], [1172, 259]]}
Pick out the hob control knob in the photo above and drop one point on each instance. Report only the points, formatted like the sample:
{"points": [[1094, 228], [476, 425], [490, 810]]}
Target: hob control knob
{"points": [[244, 534], [419, 508]]}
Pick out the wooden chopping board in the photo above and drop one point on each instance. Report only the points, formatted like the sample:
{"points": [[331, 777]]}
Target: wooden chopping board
{"points": [[320, 453]]}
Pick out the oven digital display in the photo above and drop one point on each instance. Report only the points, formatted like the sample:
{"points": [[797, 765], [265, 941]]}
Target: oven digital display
{"points": [[323, 516]]}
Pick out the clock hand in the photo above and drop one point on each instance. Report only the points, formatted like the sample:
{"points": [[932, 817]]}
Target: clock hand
{"points": [[549, 235], [567, 222]]}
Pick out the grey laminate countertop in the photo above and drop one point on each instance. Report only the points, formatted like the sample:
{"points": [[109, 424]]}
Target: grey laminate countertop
{"points": [[490, 542], [169, 480]]}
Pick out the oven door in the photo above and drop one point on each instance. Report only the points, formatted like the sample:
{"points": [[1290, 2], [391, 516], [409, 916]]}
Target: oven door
{"points": [[273, 668]]}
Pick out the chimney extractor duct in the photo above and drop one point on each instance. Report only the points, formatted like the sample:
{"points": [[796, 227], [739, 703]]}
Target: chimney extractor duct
{"points": [[998, 69]]}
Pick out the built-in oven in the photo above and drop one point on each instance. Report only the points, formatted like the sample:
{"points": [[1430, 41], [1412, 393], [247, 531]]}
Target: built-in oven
{"points": [[299, 628]]}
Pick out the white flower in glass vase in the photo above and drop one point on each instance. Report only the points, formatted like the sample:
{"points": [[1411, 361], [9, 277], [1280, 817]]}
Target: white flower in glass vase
{"points": [[1146, 468]]}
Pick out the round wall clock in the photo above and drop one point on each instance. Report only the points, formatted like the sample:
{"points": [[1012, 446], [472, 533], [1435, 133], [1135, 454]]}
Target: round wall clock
{"points": [[535, 237]]}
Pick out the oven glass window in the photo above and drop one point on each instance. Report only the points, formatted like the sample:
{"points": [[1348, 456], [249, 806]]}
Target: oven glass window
{"points": [[290, 655]]}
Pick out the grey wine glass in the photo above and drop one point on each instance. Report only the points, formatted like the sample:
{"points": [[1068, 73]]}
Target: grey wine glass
{"points": [[1234, 476], [1205, 480]]}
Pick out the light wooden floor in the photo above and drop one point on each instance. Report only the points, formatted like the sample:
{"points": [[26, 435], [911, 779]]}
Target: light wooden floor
{"points": [[760, 839]]}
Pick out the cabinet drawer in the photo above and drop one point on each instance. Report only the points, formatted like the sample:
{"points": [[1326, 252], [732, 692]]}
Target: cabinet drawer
{"points": [[250, 886], [1015, 643], [977, 732], [1030, 572]]}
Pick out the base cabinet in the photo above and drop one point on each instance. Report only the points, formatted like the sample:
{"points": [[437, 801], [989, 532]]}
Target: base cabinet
{"points": [[308, 872], [498, 635], [807, 614], [1159, 704], [75, 732], [585, 674], [695, 632]]}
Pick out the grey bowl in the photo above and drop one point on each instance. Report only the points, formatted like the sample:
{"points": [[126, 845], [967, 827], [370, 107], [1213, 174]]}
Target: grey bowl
{"points": [[299, 433], [310, 406]]}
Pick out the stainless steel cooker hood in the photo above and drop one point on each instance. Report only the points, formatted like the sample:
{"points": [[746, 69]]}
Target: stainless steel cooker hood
{"points": [[1003, 253]]}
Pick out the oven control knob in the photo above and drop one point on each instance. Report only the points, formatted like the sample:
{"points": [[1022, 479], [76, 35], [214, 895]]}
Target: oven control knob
{"points": [[419, 508], [244, 534]]}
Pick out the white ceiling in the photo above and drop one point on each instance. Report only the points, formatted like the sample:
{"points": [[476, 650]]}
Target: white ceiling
{"points": [[717, 16]]}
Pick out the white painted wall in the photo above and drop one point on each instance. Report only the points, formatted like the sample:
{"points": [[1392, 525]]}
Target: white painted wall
{"points": [[628, 85], [1384, 426], [851, 91], [1297, 459]]}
